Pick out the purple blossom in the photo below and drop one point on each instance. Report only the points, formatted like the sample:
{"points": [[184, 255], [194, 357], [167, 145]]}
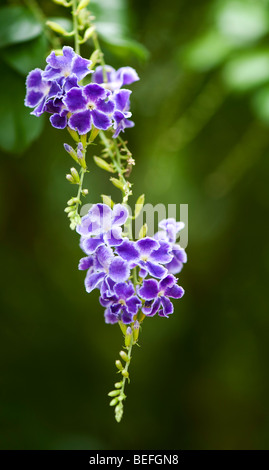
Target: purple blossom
{"points": [[169, 231], [122, 113], [122, 303], [65, 66], [148, 254], [103, 266], [156, 295], [115, 78], [39, 91], [89, 105], [102, 226]]}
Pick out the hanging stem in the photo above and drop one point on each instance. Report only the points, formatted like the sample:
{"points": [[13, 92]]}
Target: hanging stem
{"points": [[75, 24]]}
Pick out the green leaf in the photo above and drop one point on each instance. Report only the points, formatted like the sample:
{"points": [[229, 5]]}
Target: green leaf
{"points": [[17, 24], [17, 127], [113, 27], [260, 104], [207, 51], [247, 71], [65, 23], [26, 56]]}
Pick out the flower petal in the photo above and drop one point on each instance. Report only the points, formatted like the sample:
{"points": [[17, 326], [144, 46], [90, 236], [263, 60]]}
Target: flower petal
{"points": [[75, 100], [176, 292], [149, 289], [166, 282], [100, 120], [58, 121], [147, 245], [163, 254], [133, 304], [90, 245], [81, 122], [110, 317], [155, 270], [85, 263], [124, 290], [93, 280], [119, 270], [168, 307], [94, 92], [128, 251], [80, 67], [119, 214]]}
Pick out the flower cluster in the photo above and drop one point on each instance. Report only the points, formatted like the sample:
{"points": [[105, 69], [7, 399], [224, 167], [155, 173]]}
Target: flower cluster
{"points": [[112, 259], [58, 90]]}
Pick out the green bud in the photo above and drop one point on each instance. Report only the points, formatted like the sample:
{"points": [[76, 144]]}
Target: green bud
{"points": [[82, 4], [69, 209], [117, 183], [73, 134], [84, 192], [88, 34], [73, 225], [61, 2], [70, 178], [128, 337], [107, 200], [119, 364], [114, 393], [139, 205], [56, 27], [143, 231], [125, 373], [103, 164], [122, 327], [75, 175], [73, 200], [114, 402], [71, 214], [124, 356], [94, 58], [118, 384], [94, 133]]}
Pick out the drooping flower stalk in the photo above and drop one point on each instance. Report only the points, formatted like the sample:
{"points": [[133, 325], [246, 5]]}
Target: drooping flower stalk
{"points": [[135, 278]]}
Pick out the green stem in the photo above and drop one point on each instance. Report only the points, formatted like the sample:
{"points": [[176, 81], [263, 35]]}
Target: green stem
{"points": [[97, 47], [122, 396], [75, 26]]}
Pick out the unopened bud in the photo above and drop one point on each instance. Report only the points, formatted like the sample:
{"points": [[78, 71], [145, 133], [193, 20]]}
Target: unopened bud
{"points": [[107, 200], [119, 364], [143, 231], [71, 151], [84, 192], [56, 27], [128, 336], [136, 328], [114, 402], [117, 183], [103, 164], [124, 356], [139, 205], [75, 175], [114, 393], [88, 33], [82, 4], [70, 178], [73, 134], [125, 373], [118, 384], [94, 57]]}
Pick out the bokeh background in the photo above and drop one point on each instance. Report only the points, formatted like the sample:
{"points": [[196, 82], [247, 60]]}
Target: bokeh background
{"points": [[199, 379]]}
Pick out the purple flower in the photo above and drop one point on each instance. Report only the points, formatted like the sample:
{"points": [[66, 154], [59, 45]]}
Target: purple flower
{"points": [[156, 295], [70, 64], [122, 304], [147, 253], [122, 113], [39, 91], [101, 226], [89, 105], [169, 234], [103, 266], [115, 78]]}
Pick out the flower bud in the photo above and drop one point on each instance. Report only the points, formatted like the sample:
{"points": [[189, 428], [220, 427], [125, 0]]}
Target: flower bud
{"points": [[94, 58], [118, 384], [88, 33], [143, 231], [84, 192], [103, 164], [75, 175], [125, 373], [82, 4], [70, 178], [56, 27], [139, 205], [114, 402], [136, 330], [119, 364], [124, 356], [117, 183], [71, 151], [114, 393], [107, 200], [73, 134], [128, 336]]}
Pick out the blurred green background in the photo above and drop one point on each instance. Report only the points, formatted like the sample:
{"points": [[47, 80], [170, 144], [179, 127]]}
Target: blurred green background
{"points": [[200, 379]]}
